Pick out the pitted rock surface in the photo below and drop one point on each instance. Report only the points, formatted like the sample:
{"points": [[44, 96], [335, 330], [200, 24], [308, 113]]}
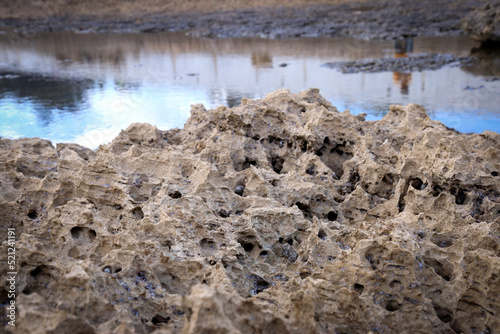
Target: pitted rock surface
{"points": [[282, 215]]}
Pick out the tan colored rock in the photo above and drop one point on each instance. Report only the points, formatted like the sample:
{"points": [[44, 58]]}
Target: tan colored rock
{"points": [[281, 215], [212, 310]]}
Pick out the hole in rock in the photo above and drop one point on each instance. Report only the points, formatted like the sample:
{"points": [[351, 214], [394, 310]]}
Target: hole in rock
{"points": [[353, 180], [494, 173], [158, 319], [137, 213], [418, 184], [263, 253], [38, 281], [460, 197], [247, 163], [436, 190], [305, 274], [76, 232], [32, 214], [118, 270], [247, 246], [305, 209], [388, 178], [107, 270], [140, 276], [311, 170], [117, 207], [443, 314], [332, 216], [36, 272], [401, 202], [359, 288], [224, 213], [277, 164], [138, 182], [443, 270], [175, 194], [322, 234], [392, 306], [259, 285], [319, 153]]}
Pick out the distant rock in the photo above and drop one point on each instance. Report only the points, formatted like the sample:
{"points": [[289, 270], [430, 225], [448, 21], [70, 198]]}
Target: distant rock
{"points": [[484, 23], [413, 63]]}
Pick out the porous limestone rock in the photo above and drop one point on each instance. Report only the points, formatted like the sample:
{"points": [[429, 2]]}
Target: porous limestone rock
{"points": [[281, 215]]}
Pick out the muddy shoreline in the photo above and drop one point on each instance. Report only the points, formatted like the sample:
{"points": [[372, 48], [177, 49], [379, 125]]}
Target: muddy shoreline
{"points": [[385, 20]]}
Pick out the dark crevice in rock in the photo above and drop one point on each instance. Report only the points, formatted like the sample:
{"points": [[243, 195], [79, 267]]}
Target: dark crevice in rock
{"points": [[401, 201], [441, 268]]}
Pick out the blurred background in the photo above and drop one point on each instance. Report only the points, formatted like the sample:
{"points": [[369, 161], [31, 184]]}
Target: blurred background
{"points": [[75, 71]]}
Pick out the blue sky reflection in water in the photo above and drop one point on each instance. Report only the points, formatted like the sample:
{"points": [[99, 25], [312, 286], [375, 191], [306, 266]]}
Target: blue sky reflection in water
{"points": [[85, 88]]}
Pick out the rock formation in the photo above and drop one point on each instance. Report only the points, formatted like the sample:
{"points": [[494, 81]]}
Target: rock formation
{"points": [[484, 23], [281, 215]]}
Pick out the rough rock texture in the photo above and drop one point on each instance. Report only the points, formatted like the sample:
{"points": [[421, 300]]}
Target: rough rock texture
{"points": [[484, 23], [281, 215]]}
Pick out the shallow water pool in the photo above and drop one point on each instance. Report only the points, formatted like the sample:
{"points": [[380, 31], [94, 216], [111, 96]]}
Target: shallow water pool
{"points": [[85, 88]]}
